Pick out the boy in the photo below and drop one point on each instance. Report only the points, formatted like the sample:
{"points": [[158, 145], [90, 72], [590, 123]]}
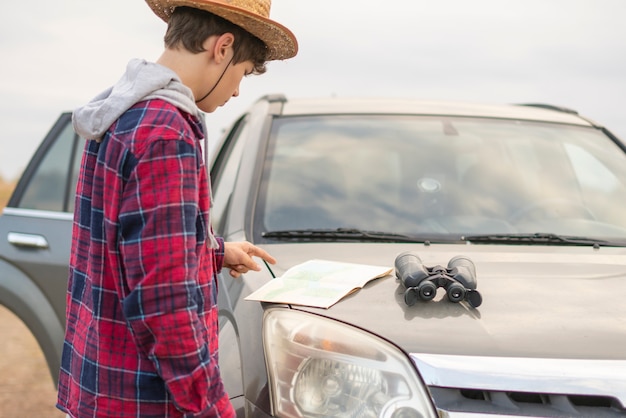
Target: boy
{"points": [[141, 332]]}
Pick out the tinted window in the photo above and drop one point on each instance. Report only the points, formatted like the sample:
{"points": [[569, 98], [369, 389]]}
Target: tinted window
{"points": [[224, 174], [48, 188]]}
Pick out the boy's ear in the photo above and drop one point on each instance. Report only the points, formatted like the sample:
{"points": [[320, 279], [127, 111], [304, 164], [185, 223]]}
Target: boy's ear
{"points": [[223, 47]]}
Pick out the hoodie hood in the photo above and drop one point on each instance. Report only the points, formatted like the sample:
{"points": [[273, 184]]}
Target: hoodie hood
{"points": [[141, 81]]}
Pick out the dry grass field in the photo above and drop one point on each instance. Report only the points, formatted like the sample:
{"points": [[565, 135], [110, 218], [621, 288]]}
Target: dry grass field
{"points": [[26, 388], [5, 191]]}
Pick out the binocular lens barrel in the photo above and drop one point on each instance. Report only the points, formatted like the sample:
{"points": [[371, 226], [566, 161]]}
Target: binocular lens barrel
{"points": [[462, 261], [463, 270], [409, 269]]}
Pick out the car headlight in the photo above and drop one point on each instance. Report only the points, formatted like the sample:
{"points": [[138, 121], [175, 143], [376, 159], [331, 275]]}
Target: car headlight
{"points": [[323, 368]]}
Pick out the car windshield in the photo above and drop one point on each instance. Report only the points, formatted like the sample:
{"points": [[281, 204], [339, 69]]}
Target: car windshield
{"points": [[442, 177]]}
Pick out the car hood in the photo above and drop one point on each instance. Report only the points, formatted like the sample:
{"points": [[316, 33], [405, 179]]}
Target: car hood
{"points": [[538, 301]]}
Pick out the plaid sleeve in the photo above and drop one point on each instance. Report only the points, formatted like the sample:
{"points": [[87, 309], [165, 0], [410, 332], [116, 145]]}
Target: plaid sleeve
{"points": [[159, 250]]}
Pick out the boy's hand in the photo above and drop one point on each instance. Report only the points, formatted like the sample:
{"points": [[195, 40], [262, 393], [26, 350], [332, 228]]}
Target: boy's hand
{"points": [[238, 257]]}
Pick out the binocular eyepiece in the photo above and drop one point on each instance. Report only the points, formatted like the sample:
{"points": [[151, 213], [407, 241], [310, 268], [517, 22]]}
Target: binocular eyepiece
{"points": [[421, 282]]}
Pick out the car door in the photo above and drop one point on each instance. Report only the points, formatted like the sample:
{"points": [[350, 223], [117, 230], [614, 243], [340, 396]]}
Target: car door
{"points": [[35, 238]]}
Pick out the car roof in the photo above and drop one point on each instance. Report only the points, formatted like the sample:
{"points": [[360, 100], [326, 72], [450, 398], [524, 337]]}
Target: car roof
{"points": [[534, 112]]}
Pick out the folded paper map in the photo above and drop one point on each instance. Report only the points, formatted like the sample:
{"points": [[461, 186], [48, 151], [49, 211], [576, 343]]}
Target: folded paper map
{"points": [[318, 283]]}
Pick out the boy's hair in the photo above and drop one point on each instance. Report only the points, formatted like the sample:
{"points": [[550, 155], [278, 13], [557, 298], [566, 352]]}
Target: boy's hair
{"points": [[190, 27]]}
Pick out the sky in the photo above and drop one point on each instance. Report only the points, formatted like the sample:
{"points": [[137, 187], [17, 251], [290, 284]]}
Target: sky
{"points": [[58, 55]]}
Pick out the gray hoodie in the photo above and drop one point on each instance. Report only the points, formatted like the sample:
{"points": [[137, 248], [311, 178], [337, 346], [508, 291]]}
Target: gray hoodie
{"points": [[142, 81]]}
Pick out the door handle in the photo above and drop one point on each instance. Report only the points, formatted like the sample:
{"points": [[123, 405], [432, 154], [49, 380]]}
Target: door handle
{"points": [[27, 240]]}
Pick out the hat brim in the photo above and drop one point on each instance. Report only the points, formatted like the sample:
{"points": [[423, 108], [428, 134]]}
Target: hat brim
{"points": [[280, 41]]}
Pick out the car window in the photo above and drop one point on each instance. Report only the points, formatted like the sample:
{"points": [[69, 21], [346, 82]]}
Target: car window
{"points": [[224, 173], [442, 175], [52, 185]]}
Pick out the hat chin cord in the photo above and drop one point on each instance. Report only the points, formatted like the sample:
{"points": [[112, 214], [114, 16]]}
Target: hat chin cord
{"points": [[218, 81]]}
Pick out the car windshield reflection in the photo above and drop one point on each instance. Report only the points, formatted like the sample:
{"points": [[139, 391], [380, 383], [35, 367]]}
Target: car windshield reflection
{"points": [[424, 176]]}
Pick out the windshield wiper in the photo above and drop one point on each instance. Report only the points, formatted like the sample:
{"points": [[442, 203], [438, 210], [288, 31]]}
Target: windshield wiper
{"points": [[540, 238], [340, 234]]}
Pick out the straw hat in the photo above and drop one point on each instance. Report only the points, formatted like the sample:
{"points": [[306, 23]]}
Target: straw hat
{"points": [[251, 15]]}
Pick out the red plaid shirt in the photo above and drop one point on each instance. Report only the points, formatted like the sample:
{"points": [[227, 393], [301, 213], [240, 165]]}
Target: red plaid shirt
{"points": [[142, 325]]}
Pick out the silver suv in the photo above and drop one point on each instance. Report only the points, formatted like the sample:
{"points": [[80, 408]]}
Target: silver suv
{"points": [[503, 229]]}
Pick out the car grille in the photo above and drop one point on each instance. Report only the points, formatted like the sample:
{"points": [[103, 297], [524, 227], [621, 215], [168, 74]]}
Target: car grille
{"points": [[474, 401], [464, 386]]}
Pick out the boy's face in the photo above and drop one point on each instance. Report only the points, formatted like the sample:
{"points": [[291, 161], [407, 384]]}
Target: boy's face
{"points": [[227, 87]]}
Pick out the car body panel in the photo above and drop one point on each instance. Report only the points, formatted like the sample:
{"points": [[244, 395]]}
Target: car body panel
{"points": [[41, 263], [30, 284], [555, 291]]}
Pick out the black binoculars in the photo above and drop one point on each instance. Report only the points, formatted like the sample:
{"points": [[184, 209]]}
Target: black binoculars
{"points": [[421, 282]]}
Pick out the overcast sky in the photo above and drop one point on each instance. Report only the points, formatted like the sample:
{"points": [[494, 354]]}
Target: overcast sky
{"points": [[57, 55]]}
